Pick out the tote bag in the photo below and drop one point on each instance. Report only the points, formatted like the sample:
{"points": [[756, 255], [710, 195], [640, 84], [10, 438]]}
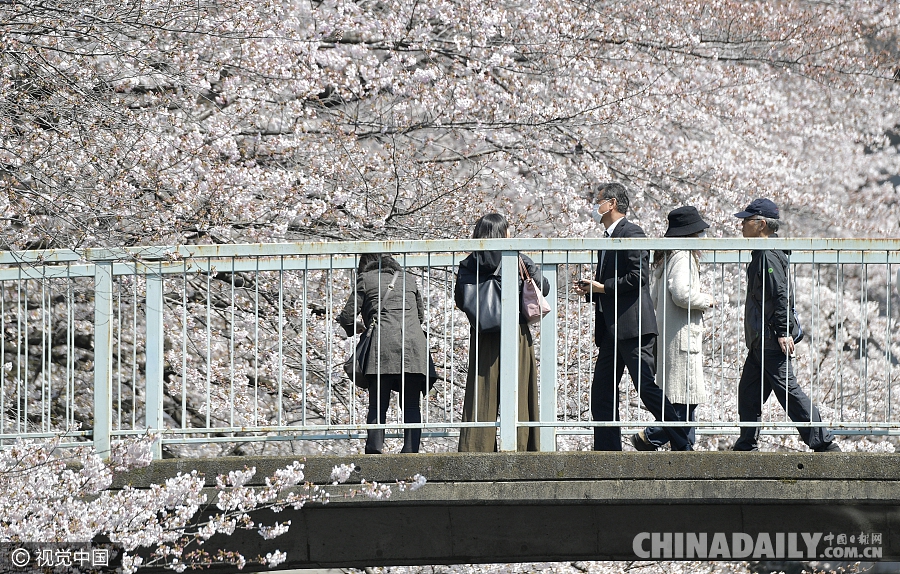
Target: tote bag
{"points": [[481, 304], [534, 305], [355, 366]]}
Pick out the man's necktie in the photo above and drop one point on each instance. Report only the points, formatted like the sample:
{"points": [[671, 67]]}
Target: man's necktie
{"points": [[603, 253]]}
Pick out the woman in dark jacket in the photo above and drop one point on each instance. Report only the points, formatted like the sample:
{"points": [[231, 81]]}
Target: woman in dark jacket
{"points": [[482, 398], [398, 358]]}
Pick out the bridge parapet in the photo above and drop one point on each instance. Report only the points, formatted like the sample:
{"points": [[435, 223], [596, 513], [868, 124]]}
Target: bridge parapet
{"points": [[520, 507], [547, 467]]}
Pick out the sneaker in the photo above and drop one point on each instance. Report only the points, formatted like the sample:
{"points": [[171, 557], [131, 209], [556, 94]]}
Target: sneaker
{"points": [[639, 442], [829, 447]]}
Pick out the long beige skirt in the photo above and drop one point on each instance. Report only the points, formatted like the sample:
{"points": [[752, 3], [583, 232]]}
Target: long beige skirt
{"points": [[482, 398]]}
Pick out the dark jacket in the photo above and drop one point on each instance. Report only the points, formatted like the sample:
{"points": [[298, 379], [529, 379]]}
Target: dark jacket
{"points": [[626, 309], [768, 309], [398, 341], [485, 265]]}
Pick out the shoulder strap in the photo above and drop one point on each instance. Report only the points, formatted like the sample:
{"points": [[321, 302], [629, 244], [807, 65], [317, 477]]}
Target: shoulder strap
{"points": [[523, 270], [385, 296]]}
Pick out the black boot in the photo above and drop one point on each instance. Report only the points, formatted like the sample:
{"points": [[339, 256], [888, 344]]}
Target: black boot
{"points": [[375, 441], [411, 440]]}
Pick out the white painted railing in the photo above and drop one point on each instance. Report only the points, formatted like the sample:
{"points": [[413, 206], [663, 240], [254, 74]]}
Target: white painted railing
{"points": [[233, 343]]}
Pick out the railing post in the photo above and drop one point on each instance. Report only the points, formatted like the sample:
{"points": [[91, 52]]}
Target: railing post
{"points": [[509, 350], [154, 370], [549, 333], [103, 324]]}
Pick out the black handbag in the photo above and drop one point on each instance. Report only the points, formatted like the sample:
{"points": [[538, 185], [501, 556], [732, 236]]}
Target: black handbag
{"points": [[481, 304], [355, 366]]}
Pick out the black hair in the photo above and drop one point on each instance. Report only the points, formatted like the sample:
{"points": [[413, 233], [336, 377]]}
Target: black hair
{"points": [[375, 261], [490, 226], [613, 190]]}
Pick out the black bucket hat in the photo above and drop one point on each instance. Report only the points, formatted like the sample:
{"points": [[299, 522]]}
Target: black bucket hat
{"points": [[685, 221]]}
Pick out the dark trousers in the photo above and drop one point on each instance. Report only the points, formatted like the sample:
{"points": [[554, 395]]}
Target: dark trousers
{"points": [[657, 436], [380, 399], [766, 372], [637, 355]]}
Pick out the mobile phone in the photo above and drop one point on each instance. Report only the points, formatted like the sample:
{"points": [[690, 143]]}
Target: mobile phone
{"points": [[583, 282]]}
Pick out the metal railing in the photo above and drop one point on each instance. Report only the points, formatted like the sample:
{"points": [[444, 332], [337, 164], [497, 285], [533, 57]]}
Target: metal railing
{"points": [[238, 343]]}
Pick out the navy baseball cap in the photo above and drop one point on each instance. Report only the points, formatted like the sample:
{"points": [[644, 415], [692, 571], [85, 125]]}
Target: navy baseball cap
{"points": [[763, 207]]}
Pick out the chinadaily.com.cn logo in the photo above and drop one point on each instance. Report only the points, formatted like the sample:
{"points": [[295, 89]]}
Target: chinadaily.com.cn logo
{"points": [[739, 545]]}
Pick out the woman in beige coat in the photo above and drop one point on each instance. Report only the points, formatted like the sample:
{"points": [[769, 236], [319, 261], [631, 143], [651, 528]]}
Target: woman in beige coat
{"points": [[679, 305]]}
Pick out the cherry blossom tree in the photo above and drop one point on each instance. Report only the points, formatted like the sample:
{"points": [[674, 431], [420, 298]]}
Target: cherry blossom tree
{"points": [[171, 122], [176, 122], [47, 499]]}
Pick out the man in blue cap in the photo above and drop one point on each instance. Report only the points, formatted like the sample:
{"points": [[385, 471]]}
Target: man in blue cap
{"points": [[771, 329]]}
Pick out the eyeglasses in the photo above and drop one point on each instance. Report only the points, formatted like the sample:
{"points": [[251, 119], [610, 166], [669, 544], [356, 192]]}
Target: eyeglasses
{"points": [[745, 221]]}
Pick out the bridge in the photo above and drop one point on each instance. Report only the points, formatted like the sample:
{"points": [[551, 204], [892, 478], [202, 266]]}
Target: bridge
{"points": [[567, 506], [226, 350]]}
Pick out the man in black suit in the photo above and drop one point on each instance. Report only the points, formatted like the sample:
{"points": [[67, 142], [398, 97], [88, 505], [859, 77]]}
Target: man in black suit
{"points": [[625, 327]]}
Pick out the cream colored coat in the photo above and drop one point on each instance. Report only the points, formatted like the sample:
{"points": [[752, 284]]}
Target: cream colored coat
{"points": [[679, 304]]}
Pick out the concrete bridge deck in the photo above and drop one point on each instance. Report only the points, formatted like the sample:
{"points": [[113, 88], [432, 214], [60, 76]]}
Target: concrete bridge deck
{"points": [[520, 507]]}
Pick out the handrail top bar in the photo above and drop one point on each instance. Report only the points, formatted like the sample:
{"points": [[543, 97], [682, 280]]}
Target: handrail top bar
{"points": [[319, 248], [39, 256]]}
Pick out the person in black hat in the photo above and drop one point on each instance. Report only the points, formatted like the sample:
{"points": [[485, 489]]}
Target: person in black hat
{"points": [[771, 329], [679, 304], [625, 325]]}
